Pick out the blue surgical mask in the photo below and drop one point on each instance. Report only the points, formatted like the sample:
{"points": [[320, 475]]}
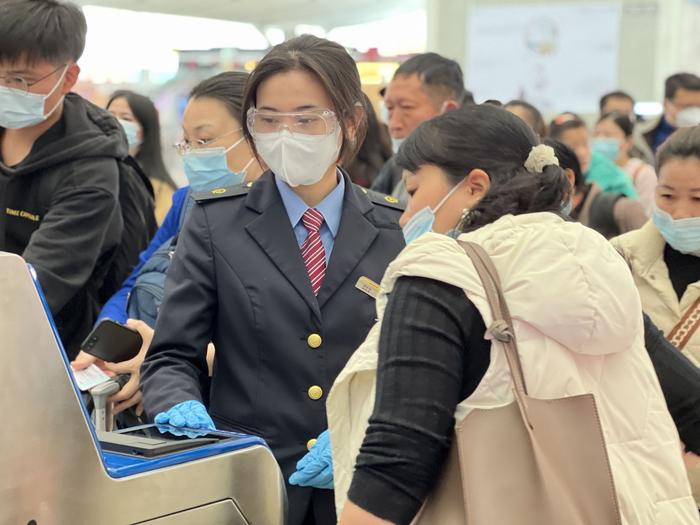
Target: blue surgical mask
{"points": [[19, 109], [132, 132], [206, 168], [609, 148], [422, 222], [682, 235]]}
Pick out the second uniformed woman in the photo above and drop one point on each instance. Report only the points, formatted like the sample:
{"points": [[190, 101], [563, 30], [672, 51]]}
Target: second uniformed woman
{"points": [[279, 275]]}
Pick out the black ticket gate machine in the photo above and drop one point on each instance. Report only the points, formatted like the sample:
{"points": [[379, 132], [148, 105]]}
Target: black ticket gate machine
{"points": [[55, 471]]}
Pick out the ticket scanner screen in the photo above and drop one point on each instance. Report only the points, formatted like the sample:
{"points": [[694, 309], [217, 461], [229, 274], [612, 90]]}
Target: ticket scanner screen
{"points": [[158, 440]]}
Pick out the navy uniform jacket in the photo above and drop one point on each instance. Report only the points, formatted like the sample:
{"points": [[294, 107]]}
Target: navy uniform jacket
{"points": [[238, 279]]}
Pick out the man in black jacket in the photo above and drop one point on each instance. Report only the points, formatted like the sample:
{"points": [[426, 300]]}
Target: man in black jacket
{"points": [[423, 87], [681, 107], [60, 162]]}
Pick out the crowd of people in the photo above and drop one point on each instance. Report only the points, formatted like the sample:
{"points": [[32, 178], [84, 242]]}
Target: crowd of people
{"points": [[308, 285]]}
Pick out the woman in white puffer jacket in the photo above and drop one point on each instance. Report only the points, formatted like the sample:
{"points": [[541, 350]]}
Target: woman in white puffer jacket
{"points": [[575, 309]]}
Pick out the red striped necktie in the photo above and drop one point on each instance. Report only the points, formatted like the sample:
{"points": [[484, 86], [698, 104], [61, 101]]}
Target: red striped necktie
{"points": [[312, 250]]}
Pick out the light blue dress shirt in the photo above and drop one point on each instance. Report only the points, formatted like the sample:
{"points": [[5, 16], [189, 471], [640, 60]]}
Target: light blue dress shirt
{"points": [[331, 208]]}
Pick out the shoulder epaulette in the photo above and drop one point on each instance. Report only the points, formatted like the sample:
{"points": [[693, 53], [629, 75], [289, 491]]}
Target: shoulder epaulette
{"points": [[380, 199], [223, 193]]}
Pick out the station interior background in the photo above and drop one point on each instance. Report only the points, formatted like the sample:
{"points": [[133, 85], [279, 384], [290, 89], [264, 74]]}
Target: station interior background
{"points": [[560, 55]]}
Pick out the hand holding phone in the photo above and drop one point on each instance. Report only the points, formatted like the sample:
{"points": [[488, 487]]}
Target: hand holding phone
{"points": [[112, 342]]}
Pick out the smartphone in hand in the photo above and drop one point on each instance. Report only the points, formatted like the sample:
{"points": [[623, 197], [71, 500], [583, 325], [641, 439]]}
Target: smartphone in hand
{"points": [[112, 342]]}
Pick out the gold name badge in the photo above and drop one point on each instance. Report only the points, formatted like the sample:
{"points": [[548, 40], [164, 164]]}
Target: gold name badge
{"points": [[368, 286]]}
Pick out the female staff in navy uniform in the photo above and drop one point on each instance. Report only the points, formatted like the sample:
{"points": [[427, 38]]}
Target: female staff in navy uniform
{"points": [[278, 275]]}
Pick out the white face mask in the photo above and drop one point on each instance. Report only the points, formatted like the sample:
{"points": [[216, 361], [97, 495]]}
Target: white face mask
{"points": [[296, 158], [396, 144], [383, 113], [688, 117], [19, 110]]}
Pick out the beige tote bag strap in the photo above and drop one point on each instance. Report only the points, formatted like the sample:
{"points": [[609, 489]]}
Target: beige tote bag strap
{"points": [[681, 334], [502, 327]]}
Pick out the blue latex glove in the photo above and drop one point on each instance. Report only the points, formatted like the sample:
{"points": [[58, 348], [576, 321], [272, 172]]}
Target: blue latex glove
{"points": [[179, 431], [315, 469], [189, 414]]}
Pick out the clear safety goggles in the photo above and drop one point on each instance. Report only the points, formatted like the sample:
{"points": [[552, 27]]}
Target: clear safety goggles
{"points": [[321, 122]]}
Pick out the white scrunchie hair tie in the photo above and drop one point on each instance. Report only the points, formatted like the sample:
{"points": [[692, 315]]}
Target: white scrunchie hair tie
{"points": [[540, 157]]}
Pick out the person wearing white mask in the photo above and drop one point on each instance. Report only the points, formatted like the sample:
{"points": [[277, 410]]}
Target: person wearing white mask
{"points": [[664, 255], [61, 161], [139, 117], [423, 87], [279, 274], [681, 109]]}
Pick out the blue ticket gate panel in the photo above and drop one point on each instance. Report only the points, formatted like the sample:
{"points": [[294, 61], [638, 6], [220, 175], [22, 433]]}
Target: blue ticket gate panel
{"points": [[53, 469]]}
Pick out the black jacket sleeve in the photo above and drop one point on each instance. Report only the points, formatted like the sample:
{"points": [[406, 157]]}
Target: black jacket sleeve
{"points": [[388, 177], [175, 368], [680, 383], [82, 223], [432, 355]]}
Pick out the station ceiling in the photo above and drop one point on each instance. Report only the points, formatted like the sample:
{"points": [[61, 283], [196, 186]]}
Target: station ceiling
{"points": [[263, 13]]}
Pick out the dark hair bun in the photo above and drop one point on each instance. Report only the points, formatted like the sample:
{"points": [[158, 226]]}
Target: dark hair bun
{"points": [[499, 143], [527, 192]]}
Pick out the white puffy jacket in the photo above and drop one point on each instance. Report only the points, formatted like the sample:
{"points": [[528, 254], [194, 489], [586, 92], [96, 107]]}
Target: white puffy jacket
{"points": [[578, 321]]}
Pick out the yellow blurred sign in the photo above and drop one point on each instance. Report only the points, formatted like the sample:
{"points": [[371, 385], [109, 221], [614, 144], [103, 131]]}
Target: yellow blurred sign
{"points": [[376, 72]]}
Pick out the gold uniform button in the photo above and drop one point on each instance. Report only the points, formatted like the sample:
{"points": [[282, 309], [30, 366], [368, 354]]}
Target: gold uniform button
{"points": [[310, 443], [314, 341], [315, 392]]}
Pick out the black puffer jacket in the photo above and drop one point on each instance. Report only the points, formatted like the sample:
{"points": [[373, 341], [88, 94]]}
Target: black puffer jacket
{"points": [[60, 210]]}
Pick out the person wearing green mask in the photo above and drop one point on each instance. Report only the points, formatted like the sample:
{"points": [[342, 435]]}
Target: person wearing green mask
{"points": [[613, 138], [571, 130]]}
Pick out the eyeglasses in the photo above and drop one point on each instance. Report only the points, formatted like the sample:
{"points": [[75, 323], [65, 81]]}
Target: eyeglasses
{"points": [[322, 122], [21, 84], [185, 146]]}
